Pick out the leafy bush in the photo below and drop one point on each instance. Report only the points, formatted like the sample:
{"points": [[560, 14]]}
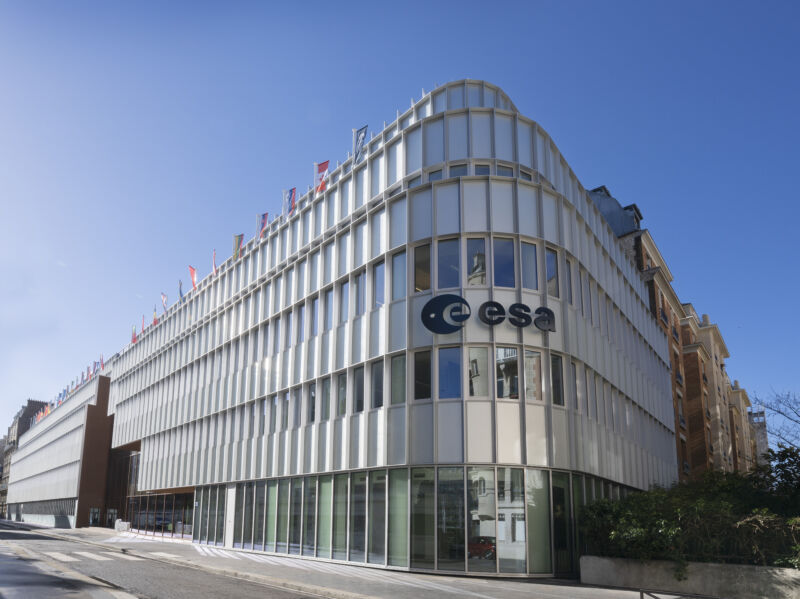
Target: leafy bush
{"points": [[749, 518]]}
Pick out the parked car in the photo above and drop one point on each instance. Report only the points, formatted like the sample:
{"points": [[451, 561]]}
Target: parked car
{"points": [[482, 547]]}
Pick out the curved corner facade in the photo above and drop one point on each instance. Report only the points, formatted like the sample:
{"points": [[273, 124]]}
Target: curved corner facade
{"points": [[300, 396]]}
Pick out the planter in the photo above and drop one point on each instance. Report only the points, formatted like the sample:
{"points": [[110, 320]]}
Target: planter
{"points": [[728, 581]]}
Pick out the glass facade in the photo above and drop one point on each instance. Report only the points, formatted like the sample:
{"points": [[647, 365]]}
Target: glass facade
{"points": [[474, 519]]}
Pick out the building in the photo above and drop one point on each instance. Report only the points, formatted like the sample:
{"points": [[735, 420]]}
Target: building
{"points": [[760, 443], [19, 425], [3, 484], [431, 364]]}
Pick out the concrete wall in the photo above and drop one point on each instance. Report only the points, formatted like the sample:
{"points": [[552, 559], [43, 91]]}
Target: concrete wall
{"points": [[718, 580]]}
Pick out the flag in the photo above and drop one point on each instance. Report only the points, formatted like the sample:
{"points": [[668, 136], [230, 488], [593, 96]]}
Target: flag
{"points": [[142, 323], [180, 288], [320, 177], [263, 225], [163, 303], [102, 364], [193, 275], [359, 140], [214, 261], [237, 246], [289, 199], [155, 318], [88, 373], [133, 335], [83, 380]]}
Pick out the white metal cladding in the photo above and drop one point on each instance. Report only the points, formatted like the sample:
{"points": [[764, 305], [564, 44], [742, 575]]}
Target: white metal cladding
{"points": [[48, 461], [211, 390]]}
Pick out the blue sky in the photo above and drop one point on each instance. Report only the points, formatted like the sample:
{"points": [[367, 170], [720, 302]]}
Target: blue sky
{"points": [[137, 137]]}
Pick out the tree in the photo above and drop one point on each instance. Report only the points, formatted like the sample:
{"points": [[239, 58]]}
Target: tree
{"points": [[784, 410]]}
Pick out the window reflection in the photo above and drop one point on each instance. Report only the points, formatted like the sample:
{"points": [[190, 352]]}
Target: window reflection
{"points": [[478, 372], [422, 375], [511, 544], [448, 264], [504, 263], [552, 272], [451, 519], [422, 268], [507, 373], [476, 262], [533, 375], [481, 529], [529, 274], [449, 372]]}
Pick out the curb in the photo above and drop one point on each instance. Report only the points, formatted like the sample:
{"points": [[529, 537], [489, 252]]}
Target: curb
{"points": [[256, 578]]}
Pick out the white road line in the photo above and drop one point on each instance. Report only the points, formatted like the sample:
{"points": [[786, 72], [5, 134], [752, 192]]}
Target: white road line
{"points": [[94, 556], [163, 554], [60, 556], [122, 555]]}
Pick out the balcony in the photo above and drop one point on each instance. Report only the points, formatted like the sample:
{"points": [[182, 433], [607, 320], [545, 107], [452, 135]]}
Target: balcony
{"points": [[664, 316], [705, 378], [675, 334], [682, 422], [679, 377]]}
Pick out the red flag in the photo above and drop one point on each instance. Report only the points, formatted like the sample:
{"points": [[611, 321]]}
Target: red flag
{"points": [[193, 275], [320, 181], [102, 363], [155, 318], [133, 335]]}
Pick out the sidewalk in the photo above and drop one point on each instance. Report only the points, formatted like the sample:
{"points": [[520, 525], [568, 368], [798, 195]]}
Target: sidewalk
{"points": [[329, 579]]}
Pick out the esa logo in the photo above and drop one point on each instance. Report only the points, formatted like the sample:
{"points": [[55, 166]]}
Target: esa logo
{"points": [[446, 314]]}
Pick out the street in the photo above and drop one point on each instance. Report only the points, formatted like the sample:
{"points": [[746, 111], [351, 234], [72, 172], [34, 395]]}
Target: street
{"points": [[100, 563]]}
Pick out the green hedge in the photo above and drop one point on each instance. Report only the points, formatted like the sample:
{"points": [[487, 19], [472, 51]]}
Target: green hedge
{"points": [[725, 517]]}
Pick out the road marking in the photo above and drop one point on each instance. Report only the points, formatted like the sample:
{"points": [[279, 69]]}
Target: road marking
{"points": [[94, 556], [163, 554], [60, 556], [123, 556]]}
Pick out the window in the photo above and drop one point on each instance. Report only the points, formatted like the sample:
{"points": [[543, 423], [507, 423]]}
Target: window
{"points": [[533, 375], [422, 375], [458, 170], [358, 389], [448, 264], [435, 175], [525, 175], [507, 373], [422, 268], [529, 272], [398, 276], [325, 404], [314, 316], [377, 384], [361, 292], [482, 169], [568, 281], [344, 301], [476, 261], [285, 412], [557, 378], [478, 372], [504, 263], [504, 171], [312, 402], [552, 272], [449, 372], [398, 379], [328, 318], [378, 285], [341, 395]]}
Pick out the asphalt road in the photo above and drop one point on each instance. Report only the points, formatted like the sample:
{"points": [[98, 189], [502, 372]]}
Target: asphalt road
{"points": [[33, 566]]}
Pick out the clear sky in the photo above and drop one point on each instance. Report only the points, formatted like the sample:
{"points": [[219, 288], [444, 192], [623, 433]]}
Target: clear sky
{"points": [[136, 137]]}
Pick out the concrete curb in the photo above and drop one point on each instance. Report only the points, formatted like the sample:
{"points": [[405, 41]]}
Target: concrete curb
{"points": [[256, 578]]}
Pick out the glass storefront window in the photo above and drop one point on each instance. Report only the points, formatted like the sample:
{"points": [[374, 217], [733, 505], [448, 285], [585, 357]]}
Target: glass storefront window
{"points": [[340, 517], [478, 372], [481, 528], [377, 517], [247, 524], [533, 375], [476, 262], [309, 514], [272, 514], [538, 512], [260, 512], [324, 517], [451, 519], [504, 263], [423, 516], [449, 372], [219, 517], [282, 525], [358, 516], [511, 544], [398, 517], [562, 524], [296, 507], [507, 372]]}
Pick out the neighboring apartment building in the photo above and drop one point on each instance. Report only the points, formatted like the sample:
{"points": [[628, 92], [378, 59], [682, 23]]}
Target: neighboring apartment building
{"points": [[19, 425], [758, 420], [430, 364], [712, 429]]}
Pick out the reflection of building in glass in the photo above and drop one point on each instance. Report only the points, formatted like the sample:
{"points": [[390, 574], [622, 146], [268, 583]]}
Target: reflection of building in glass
{"points": [[295, 403]]}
